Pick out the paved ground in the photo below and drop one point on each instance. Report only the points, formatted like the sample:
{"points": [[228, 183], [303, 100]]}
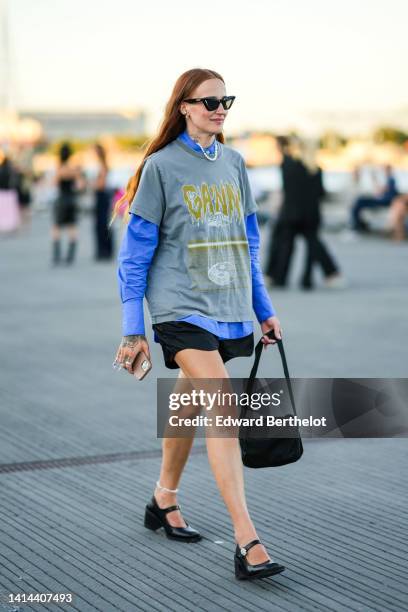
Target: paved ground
{"points": [[78, 456]]}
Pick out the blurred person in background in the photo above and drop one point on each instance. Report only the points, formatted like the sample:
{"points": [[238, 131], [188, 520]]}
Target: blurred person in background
{"points": [[398, 214], [276, 269], [317, 252], [385, 195], [10, 217], [103, 203], [300, 216], [25, 177], [192, 245], [68, 179]]}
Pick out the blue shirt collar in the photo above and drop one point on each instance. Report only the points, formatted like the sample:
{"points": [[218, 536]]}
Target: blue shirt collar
{"points": [[186, 138]]}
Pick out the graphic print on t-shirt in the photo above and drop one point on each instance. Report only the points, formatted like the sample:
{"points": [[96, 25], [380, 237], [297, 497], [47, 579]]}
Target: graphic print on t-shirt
{"points": [[218, 248]]}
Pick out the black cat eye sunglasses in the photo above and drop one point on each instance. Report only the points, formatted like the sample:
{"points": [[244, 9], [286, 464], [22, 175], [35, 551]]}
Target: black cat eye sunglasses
{"points": [[212, 103]]}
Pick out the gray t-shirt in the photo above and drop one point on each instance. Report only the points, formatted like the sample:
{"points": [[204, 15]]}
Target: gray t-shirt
{"points": [[202, 263]]}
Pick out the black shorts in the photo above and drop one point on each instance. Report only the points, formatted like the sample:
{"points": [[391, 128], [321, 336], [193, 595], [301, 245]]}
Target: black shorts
{"points": [[175, 336]]}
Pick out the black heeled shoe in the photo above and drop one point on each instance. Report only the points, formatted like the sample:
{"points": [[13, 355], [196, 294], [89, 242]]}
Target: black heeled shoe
{"points": [[246, 571], [155, 518]]}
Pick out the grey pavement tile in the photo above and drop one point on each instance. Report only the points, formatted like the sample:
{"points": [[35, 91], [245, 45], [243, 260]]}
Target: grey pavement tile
{"points": [[345, 546], [336, 519]]}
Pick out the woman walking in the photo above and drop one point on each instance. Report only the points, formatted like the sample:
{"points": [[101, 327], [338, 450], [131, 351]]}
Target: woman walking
{"points": [[192, 246], [103, 233], [68, 180]]}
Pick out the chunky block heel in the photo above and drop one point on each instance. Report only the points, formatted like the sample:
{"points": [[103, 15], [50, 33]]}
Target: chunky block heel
{"points": [[155, 517], [238, 571], [151, 521]]}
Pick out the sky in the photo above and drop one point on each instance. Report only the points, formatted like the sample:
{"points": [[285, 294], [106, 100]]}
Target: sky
{"points": [[283, 59]]}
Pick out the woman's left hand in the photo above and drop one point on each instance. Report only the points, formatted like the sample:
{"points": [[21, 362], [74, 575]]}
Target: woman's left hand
{"points": [[267, 325]]}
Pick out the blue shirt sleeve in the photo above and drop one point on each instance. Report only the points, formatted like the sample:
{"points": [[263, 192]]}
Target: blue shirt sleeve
{"points": [[261, 301], [135, 255]]}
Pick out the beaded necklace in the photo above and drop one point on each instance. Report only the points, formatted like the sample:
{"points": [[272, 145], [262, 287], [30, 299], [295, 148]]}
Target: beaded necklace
{"points": [[206, 154]]}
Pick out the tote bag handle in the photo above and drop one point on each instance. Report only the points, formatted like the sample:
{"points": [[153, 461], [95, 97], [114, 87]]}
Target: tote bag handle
{"points": [[258, 353]]}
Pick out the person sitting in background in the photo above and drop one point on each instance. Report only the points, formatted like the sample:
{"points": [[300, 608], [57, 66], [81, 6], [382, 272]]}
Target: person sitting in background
{"points": [[398, 213], [382, 199]]}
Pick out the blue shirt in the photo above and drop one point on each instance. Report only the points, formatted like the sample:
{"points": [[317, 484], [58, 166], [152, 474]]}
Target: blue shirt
{"points": [[136, 253], [390, 191]]}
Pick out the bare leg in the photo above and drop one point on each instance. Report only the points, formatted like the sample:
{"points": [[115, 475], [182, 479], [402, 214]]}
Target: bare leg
{"points": [[174, 458], [26, 218], [72, 231], [398, 211], [55, 232], [56, 244], [224, 454]]}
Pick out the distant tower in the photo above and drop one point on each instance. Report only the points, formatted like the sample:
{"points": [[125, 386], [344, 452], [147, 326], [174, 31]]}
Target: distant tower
{"points": [[5, 60]]}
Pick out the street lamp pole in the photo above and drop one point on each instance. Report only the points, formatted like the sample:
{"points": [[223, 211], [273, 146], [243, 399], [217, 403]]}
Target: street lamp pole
{"points": [[5, 59]]}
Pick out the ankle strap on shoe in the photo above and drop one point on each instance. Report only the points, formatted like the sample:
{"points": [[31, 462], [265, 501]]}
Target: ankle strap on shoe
{"points": [[161, 488], [244, 549], [169, 509]]}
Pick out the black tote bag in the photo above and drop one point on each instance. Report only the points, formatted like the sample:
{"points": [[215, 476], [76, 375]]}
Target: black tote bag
{"points": [[268, 452]]}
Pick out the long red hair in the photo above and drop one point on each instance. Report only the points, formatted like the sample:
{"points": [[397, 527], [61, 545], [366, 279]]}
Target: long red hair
{"points": [[172, 125]]}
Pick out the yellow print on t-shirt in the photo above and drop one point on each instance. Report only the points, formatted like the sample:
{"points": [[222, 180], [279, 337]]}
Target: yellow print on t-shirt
{"points": [[206, 201]]}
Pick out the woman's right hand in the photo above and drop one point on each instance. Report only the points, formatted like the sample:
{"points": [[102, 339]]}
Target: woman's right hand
{"points": [[128, 350]]}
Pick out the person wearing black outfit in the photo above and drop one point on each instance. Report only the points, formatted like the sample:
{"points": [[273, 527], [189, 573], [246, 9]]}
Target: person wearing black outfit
{"points": [[103, 204], [317, 252], [299, 215], [68, 179], [290, 217]]}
